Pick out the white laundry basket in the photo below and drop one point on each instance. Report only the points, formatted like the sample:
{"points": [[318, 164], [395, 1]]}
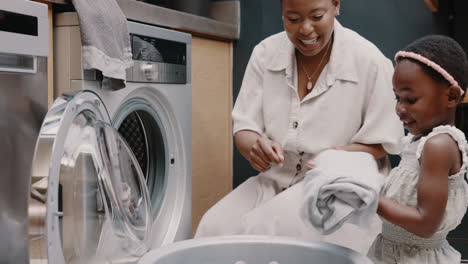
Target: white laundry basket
{"points": [[253, 250]]}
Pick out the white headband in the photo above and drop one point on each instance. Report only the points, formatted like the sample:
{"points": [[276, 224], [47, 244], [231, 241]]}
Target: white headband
{"points": [[433, 65]]}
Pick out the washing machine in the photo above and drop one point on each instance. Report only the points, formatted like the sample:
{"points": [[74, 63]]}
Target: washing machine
{"points": [[111, 175], [24, 48]]}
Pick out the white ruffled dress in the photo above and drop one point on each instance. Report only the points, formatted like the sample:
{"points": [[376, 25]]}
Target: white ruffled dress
{"points": [[395, 244]]}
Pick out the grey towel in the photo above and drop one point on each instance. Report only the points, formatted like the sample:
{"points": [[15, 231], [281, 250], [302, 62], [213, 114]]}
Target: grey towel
{"points": [[344, 187], [104, 37]]}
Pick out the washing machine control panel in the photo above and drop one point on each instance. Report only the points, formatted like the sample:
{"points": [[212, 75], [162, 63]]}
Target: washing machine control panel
{"points": [[157, 60]]}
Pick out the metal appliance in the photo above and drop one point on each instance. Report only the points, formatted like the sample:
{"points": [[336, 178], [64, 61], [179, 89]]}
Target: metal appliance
{"points": [[24, 48], [100, 144]]}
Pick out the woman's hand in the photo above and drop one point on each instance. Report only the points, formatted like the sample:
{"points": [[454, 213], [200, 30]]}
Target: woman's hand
{"points": [[261, 152], [264, 153]]}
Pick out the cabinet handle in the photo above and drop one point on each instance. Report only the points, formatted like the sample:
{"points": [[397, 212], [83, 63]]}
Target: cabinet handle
{"points": [[15, 63]]}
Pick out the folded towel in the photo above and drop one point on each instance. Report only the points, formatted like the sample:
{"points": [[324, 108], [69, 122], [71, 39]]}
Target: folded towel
{"points": [[104, 37], [343, 187]]}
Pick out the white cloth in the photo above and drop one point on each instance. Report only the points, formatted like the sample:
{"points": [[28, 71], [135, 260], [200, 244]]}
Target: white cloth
{"points": [[395, 244], [343, 187], [280, 216], [251, 194], [104, 37]]}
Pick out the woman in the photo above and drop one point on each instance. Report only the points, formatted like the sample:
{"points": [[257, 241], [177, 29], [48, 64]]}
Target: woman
{"points": [[315, 86]]}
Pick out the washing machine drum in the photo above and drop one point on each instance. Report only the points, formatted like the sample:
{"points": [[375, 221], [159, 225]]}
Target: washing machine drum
{"points": [[98, 206]]}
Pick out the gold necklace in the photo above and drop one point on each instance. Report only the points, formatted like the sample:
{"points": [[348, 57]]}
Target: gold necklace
{"points": [[309, 82]]}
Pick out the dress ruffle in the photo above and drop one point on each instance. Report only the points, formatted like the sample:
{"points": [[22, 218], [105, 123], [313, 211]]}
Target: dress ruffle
{"points": [[454, 132]]}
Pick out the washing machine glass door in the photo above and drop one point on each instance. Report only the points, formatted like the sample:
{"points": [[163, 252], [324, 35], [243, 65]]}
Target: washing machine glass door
{"points": [[97, 202]]}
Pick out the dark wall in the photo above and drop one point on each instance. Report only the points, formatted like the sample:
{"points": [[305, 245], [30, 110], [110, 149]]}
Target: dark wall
{"points": [[391, 25], [459, 24], [259, 19]]}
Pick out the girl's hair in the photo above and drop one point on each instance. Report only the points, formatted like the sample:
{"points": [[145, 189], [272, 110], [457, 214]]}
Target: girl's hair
{"points": [[451, 57], [444, 51]]}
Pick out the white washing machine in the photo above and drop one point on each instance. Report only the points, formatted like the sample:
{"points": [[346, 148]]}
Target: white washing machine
{"points": [[112, 169]]}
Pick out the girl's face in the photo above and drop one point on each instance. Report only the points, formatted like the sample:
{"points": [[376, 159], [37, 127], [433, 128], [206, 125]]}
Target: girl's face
{"points": [[422, 103], [309, 23]]}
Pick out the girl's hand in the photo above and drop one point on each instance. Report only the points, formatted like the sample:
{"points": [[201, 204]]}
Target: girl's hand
{"points": [[310, 164], [265, 152]]}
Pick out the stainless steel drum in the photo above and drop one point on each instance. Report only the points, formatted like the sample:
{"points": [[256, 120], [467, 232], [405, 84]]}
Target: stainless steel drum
{"points": [[253, 250]]}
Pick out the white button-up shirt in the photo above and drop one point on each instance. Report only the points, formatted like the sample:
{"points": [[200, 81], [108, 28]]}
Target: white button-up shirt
{"points": [[352, 101]]}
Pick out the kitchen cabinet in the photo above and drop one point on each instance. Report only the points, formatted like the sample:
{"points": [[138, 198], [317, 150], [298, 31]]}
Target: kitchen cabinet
{"points": [[211, 123]]}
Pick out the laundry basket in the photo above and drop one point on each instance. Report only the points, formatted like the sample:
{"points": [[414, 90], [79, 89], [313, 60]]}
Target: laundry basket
{"points": [[253, 250]]}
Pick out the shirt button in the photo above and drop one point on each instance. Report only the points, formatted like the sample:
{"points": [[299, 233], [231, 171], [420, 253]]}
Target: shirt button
{"points": [[298, 167], [301, 153], [295, 124]]}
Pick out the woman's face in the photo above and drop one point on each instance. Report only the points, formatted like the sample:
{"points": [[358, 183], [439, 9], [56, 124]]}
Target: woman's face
{"points": [[309, 23]]}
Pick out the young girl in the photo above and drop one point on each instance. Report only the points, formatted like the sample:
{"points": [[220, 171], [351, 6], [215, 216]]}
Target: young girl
{"points": [[426, 196]]}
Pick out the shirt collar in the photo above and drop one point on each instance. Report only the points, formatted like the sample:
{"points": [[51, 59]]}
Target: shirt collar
{"points": [[341, 63]]}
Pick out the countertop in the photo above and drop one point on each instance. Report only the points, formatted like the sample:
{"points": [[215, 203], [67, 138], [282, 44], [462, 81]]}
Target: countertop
{"points": [[224, 23]]}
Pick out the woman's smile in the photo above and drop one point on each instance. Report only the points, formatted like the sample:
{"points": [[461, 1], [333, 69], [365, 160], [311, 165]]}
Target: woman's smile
{"points": [[310, 43], [309, 24]]}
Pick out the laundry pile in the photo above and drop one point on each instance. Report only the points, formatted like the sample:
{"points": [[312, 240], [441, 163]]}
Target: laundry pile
{"points": [[343, 187]]}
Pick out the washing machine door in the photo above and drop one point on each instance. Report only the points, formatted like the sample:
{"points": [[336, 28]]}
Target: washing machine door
{"points": [[96, 199]]}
